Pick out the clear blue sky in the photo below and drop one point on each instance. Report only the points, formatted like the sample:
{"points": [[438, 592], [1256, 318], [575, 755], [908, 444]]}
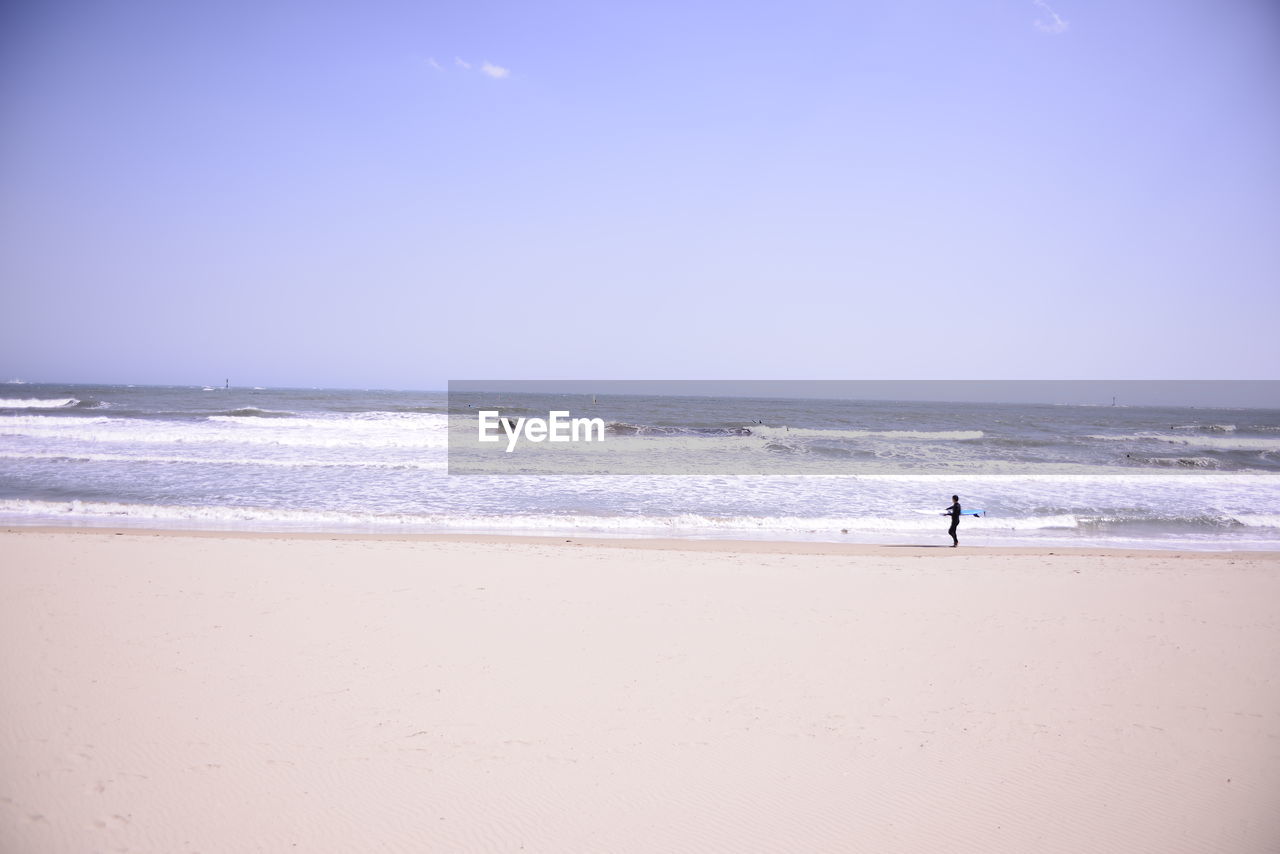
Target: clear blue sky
{"points": [[396, 194]]}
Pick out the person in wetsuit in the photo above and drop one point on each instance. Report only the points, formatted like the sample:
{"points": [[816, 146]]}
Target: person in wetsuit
{"points": [[954, 512]]}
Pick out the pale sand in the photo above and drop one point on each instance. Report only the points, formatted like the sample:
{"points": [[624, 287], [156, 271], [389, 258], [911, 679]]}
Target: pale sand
{"points": [[225, 693]]}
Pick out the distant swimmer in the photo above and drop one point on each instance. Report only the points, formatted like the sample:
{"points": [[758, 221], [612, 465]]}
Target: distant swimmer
{"points": [[954, 512]]}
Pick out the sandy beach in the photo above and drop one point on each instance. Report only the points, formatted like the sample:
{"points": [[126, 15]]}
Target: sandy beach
{"points": [[168, 692]]}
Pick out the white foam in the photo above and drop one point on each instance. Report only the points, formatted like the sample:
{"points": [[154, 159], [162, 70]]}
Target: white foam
{"points": [[685, 523], [424, 465], [153, 513], [391, 430], [17, 423], [37, 403], [805, 433], [254, 412], [1230, 443], [1258, 520]]}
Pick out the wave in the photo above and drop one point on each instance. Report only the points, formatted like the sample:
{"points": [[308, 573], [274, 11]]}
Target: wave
{"points": [[10, 423], [435, 410], [39, 403], [1212, 529], [687, 522], [253, 412], [57, 403], [622, 428], [1258, 520], [684, 523], [424, 465], [764, 431], [807, 433], [1225, 443], [1208, 428], [400, 431], [410, 410], [1178, 462]]}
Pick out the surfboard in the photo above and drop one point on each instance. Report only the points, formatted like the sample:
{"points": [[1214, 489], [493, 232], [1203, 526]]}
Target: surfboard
{"points": [[967, 513]]}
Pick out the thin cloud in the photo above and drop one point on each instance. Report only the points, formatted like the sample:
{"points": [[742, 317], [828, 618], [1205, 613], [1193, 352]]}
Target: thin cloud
{"points": [[460, 62], [497, 72], [431, 60], [1055, 24]]}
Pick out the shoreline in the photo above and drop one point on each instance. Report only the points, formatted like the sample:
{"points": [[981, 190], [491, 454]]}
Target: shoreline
{"points": [[690, 544]]}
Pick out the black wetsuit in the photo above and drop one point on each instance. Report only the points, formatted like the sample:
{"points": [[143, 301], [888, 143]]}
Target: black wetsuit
{"points": [[954, 512]]}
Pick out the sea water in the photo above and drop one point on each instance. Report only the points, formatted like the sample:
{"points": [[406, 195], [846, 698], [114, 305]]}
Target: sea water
{"points": [[350, 460]]}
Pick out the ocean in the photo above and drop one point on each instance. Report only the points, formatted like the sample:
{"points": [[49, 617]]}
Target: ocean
{"points": [[336, 460]]}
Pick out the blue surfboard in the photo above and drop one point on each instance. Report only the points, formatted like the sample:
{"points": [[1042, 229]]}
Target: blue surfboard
{"points": [[968, 513]]}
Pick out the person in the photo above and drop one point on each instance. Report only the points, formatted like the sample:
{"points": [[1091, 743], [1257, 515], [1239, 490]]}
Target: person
{"points": [[954, 512]]}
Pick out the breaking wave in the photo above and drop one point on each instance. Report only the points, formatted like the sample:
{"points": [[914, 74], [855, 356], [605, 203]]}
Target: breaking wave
{"points": [[253, 412], [1178, 462], [804, 433], [765, 431], [1208, 428], [1226, 443], [423, 465], [402, 431], [38, 403], [678, 524]]}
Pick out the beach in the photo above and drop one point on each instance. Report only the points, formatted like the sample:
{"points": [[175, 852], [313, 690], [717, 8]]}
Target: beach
{"points": [[640, 428], [184, 692]]}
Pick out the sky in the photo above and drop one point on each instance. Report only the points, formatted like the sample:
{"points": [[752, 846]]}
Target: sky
{"points": [[395, 194]]}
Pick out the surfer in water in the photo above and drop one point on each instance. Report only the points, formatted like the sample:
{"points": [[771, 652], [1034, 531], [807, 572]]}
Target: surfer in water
{"points": [[954, 512]]}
